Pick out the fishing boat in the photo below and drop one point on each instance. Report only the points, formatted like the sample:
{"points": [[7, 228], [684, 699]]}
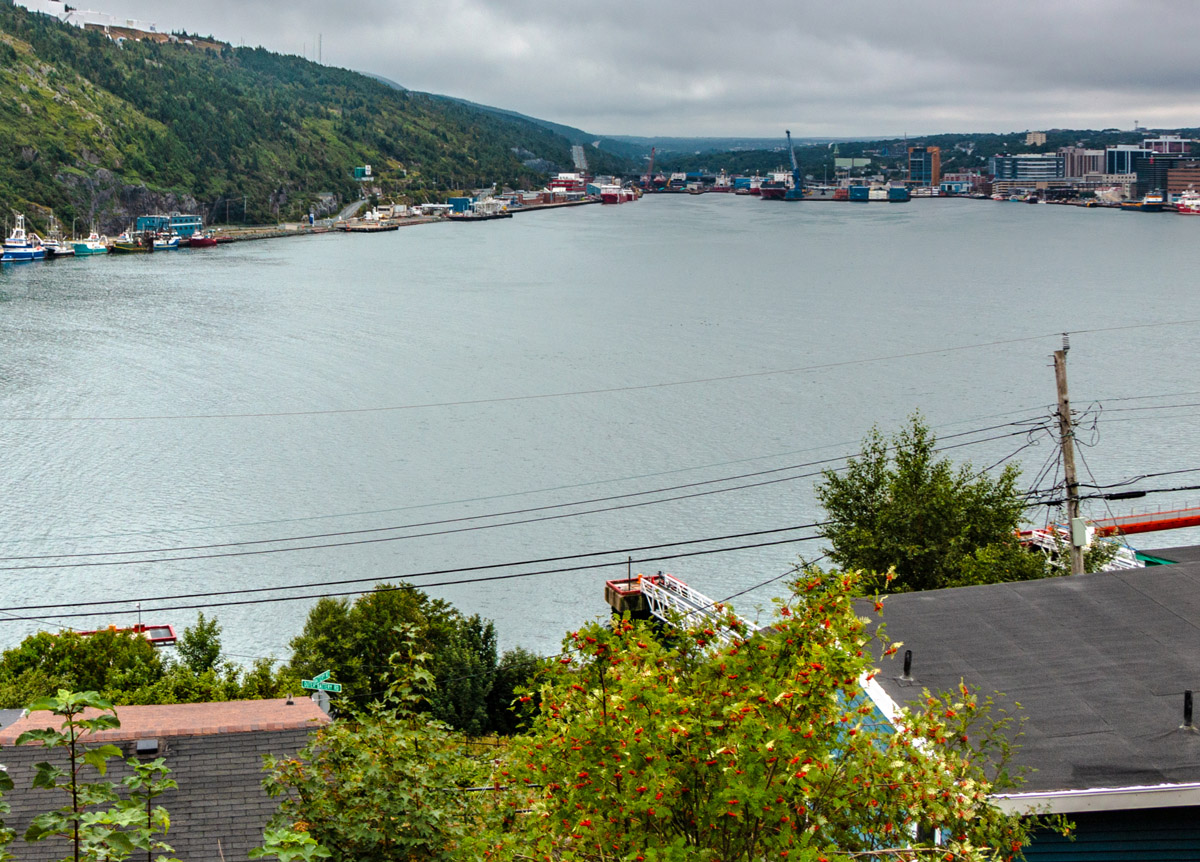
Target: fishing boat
{"points": [[22, 247], [201, 240], [94, 244], [128, 243], [55, 243], [1188, 203], [166, 241]]}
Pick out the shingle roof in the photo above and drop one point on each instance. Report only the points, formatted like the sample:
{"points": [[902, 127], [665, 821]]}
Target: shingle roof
{"points": [[215, 753], [1098, 662], [188, 719]]}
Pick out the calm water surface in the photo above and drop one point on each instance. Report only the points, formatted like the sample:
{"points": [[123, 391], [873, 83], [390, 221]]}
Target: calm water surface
{"points": [[480, 332]]}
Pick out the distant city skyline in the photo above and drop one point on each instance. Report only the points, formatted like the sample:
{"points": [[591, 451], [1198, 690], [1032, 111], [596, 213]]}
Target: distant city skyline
{"points": [[704, 68]]}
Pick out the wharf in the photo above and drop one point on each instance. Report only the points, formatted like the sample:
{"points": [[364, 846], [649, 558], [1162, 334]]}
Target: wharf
{"points": [[529, 207], [244, 234]]}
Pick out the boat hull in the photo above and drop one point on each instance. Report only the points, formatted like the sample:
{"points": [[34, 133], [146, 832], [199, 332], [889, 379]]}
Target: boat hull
{"points": [[84, 249], [22, 255]]}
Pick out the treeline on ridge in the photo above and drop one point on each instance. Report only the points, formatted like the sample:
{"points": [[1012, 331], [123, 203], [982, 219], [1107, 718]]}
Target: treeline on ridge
{"points": [[91, 121]]}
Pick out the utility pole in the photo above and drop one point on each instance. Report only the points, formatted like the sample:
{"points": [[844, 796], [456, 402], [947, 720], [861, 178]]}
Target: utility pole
{"points": [[1066, 433]]}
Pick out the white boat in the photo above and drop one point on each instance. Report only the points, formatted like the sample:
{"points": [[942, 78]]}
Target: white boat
{"points": [[21, 247], [54, 243], [1188, 203]]}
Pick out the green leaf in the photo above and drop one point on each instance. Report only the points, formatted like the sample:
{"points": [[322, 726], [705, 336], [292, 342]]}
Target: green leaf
{"points": [[98, 757]]}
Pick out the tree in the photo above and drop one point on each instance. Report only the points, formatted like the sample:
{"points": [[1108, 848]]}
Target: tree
{"points": [[100, 824], [200, 646], [105, 661], [517, 670], [355, 641], [731, 746], [385, 786], [127, 669], [897, 507]]}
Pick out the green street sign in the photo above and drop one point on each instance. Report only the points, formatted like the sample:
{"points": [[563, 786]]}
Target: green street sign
{"points": [[321, 677], [320, 685]]}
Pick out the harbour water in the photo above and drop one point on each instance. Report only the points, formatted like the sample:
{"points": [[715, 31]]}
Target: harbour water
{"points": [[331, 385]]}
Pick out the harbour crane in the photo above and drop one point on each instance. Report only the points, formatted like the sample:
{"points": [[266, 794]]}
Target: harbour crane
{"points": [[796, 192], [648, 181]]}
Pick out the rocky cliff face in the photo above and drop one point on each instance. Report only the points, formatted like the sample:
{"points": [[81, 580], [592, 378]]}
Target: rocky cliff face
{"points": [[110, 205]]}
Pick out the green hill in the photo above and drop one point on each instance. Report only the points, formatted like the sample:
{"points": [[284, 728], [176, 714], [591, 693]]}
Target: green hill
{"points": [[100, 131]]}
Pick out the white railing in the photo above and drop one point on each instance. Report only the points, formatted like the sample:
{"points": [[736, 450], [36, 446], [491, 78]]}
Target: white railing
{"points": [[667, 596]]}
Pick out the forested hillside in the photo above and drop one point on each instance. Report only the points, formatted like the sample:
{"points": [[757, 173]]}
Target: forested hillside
{"points": [[99, 130]]}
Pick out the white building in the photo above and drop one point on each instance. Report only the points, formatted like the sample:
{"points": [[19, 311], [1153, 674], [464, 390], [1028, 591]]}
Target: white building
{"points": [[85, 18]]}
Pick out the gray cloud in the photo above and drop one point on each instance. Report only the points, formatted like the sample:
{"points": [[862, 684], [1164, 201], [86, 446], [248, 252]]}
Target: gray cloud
{"points": [[754, 68]]}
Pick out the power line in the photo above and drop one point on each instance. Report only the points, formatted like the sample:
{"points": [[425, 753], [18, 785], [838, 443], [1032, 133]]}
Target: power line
{"points": [[507, 495], [459, 582], [326, 545], [482, 567]]}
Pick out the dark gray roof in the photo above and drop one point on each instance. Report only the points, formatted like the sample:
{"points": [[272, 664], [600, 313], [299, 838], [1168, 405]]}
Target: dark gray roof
{"points": [[1099, 662], [218, 812]]}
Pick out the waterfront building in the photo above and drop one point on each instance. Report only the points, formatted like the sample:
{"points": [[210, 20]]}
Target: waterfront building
{"points": [[1027, 167], [1168, 145], [1079, 162], [1119, 159], [1151, 171], [925, 166], [184, 224], [1182, 176], [569, 183]]}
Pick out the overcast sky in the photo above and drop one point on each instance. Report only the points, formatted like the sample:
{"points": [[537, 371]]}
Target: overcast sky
{"points": [[752, 68]]}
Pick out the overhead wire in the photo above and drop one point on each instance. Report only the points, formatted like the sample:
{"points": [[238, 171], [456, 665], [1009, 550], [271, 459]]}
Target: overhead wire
{"points": [[91, 562], [430, 573], [459, 582]]}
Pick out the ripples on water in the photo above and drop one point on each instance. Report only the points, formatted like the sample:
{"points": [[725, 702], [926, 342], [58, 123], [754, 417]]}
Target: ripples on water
{"points": [[595, 298]]}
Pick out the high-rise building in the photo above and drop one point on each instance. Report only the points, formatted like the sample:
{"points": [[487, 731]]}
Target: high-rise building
{"points": [[1035, 139], [1170, 145], [1027, 167], [1119, 159], [925, 166], [1079, 162]]}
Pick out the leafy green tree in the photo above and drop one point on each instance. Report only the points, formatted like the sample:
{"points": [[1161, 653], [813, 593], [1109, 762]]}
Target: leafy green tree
{"points": [[200, 646], [127, 669], [516, 671], [727, 745], [898, 507], [384, 786], [101, 825], [355, 641], [106, 661]]}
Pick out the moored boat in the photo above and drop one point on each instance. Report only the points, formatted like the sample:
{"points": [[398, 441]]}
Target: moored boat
{"points": [[1188, 203], [94, 244], [55, 243], [128, 243], [21, 246], [1151, 203], [201, 240], [166, 241]]}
